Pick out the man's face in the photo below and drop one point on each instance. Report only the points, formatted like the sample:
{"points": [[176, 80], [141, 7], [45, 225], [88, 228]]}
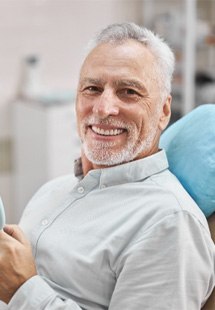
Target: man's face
{"points": [[119, 111]]}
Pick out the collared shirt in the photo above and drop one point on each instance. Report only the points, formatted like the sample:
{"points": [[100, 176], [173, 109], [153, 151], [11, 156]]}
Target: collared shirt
{"points": [[127, 237]]}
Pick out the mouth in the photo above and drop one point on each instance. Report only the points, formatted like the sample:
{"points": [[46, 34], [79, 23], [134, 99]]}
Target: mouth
{"points": [[107, 131]]}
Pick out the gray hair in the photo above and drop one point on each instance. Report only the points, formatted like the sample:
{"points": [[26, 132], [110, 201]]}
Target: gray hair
{"points": [[165, 60]]}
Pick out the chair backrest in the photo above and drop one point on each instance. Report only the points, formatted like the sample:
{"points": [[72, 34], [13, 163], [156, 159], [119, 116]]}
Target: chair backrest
{"points": [[210, 304], [190, 148]]}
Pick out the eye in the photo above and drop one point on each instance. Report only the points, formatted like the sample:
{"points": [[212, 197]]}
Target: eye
{"points": [[130, 91], [91, 90], [129, 94]]}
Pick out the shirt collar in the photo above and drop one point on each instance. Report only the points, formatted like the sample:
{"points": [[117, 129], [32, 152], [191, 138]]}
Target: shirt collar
{"points": [[129, 172]]}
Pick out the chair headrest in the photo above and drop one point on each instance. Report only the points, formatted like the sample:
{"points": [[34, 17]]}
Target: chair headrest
{"points": [[190, 147]]}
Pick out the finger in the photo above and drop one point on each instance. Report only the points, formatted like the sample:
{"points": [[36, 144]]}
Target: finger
{"points": [[15, 232]]}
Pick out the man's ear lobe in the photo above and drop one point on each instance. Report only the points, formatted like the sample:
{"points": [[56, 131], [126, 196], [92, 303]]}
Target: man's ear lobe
{"points": [[166, 113]]}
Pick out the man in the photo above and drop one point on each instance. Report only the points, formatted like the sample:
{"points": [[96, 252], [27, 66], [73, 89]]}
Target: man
{"points": [[126, 235]]}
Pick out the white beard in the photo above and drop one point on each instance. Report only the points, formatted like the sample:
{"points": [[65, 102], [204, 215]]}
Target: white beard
{"points": [[102, 153]]}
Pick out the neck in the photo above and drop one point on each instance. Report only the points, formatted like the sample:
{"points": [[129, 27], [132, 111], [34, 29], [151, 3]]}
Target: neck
{"points": [[88, 165]]}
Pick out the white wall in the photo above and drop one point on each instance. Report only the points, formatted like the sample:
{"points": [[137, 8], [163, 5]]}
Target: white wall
{"points": [[56, 30]]}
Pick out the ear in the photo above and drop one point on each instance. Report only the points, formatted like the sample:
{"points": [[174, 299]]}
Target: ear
{"points": [[165, 113]]}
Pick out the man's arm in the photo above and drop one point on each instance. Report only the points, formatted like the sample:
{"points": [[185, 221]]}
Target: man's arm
{"points": [[172, 267], [16, 261], [20, 286]]}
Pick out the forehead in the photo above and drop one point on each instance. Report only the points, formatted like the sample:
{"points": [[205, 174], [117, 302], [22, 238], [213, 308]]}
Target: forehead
{"points": [[127, 58]]}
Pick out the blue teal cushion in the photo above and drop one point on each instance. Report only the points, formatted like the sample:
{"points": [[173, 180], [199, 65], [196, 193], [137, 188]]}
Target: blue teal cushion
{"points": [[2, 215], [190, 147]]}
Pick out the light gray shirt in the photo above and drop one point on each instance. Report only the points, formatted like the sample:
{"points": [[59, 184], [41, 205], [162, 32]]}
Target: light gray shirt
{"points": [[124, 237]]}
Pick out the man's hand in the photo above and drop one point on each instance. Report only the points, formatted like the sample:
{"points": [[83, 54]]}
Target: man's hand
{"points": [[16, 261]]}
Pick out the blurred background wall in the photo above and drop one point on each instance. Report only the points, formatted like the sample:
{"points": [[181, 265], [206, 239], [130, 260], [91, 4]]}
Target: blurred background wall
{"points": [[42, 44]]}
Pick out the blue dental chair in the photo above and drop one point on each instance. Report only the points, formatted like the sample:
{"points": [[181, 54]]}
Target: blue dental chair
{"points": [[190, 147]]}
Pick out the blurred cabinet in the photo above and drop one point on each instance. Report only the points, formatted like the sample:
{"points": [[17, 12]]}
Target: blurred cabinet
{"points": [[45, 146], [188, 26]]}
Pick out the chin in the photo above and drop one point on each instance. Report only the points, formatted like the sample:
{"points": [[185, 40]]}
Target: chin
{"points": [[108, 157]]}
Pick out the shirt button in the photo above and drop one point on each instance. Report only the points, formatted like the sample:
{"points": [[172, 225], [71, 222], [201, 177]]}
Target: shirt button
{"points": [[103, 186], [44, 222], [80, 190]]}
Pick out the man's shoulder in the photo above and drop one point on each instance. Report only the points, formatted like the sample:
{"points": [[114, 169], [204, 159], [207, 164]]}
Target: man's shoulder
{"points": [[61, 184], [48, 197], [174, 191]]}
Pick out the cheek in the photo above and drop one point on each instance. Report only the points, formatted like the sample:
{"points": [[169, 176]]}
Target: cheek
{"points": [[140, 120], [146, 125], [80, 108], [83, 107], [83, 110], [80, 114], [78, 126]]}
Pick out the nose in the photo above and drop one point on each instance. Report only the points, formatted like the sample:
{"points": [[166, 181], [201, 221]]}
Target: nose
{"points": [[106, 105]]}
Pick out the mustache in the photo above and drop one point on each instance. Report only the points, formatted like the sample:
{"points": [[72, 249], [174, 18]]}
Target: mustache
{"points": [[95, 120]]}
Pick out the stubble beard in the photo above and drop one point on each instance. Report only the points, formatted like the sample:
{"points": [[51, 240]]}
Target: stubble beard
{"points": [[103, 153]]}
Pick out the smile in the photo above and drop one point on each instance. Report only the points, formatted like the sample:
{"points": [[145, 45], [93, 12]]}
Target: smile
{"points": [[106, 132]]}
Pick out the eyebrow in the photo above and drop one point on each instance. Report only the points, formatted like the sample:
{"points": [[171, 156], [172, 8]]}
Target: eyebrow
{"points": [[91, 81], [118, 83]]}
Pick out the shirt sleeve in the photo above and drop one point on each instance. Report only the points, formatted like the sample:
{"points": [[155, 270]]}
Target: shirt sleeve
{"points": [[36, 294], [171, 268]]}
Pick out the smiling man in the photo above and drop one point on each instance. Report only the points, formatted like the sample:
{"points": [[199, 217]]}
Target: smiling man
{"points": [[120, 107], [125, 234]]}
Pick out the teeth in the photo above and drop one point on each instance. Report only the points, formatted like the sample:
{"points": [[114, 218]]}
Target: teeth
{"points": [[111, 132]]}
